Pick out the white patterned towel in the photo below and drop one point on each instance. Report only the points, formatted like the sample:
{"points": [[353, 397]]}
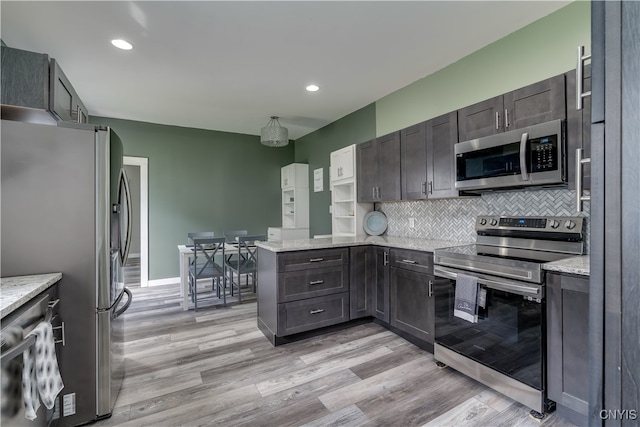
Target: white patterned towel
{"points": [[466, 306], [41, 377]]}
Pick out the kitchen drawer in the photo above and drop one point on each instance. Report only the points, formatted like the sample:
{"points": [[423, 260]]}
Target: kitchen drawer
{"points": [[302, 260], [421, 262], [312, 313], [314, 282]]}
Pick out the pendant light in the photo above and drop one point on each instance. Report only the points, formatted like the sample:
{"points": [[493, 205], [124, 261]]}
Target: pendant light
{"points": [[274, 135]]}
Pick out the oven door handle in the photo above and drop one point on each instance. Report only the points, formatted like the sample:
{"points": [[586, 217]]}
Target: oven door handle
{"points": [[532, 291]]}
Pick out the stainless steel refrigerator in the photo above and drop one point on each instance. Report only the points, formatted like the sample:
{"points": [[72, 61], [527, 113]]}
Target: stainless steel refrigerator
{"points": [[65, 208]]}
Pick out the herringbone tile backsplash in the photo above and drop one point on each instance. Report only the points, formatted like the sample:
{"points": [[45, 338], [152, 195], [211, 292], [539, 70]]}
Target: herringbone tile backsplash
{"points": [[454, 219]]}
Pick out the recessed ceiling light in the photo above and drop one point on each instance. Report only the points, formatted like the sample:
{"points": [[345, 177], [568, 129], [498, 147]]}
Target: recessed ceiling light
{"points": [[313, 88], [122, 44]]}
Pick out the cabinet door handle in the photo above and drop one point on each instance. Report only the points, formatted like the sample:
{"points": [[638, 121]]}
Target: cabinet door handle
{"points": [[424, 188], [316, 282], [316, 259], [373, 192], [409, 261], [78, 118], [430, 288], [506, 118], [579, 197], [316, 311], [385, 258], [579, 76], [430, 187], [497, 120]]}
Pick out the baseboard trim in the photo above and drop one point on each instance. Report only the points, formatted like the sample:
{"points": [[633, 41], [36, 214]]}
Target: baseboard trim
{"points": [[166, 281]]}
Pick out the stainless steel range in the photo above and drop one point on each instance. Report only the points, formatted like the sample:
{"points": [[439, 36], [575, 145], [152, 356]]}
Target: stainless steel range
{"points": [[505, 348]]}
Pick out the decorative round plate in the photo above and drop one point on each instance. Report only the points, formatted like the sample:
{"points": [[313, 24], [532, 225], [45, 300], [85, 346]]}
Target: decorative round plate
{"points": [[375, 223]]}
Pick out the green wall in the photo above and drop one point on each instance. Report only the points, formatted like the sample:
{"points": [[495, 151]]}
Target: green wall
{"points": [[540, 50], [201, 180], [314, 149]]}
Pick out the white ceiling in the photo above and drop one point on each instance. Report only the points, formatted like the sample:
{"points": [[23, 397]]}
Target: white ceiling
{"points": [[231, 65]]}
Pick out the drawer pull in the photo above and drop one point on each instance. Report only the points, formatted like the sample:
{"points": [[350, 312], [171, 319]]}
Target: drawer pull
{"points": [[316, 311], [316, 282], [409, 261], [316, 259]]}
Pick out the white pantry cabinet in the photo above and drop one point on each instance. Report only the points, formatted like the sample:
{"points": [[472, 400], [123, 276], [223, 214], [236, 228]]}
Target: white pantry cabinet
{"points": [[295, 196], [347, 214], [343, 163], [294, 175]]}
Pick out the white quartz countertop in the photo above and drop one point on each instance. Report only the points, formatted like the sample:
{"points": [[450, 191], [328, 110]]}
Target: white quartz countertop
{"points": [[426, 245], [16, 291], [574, 265]]}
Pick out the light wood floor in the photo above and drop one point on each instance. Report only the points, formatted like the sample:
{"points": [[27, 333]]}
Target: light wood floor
{"points": [[215, 367]]}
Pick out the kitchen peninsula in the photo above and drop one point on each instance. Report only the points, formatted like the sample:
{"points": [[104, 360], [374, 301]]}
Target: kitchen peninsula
{"points": [[308, 284]]}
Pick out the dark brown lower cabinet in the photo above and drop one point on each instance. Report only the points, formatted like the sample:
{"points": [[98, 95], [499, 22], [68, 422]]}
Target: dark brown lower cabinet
{"points": [[568, 345], [369, 282], [306, 290], [380, 279], [361, 290], [301, 291], [312, 313], [411, 303]]}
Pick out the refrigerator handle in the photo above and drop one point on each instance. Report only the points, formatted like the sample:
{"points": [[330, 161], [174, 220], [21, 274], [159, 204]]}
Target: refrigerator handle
{"points": [[124, 186], [117, 313]]}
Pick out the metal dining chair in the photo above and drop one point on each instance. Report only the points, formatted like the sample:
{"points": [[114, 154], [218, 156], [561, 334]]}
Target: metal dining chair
{"points": [[245, 262], [208, 262], [232, 240], [232, 235]]}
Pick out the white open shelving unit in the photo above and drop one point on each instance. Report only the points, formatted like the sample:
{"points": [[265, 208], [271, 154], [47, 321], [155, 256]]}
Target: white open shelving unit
{"points": [[347, 214], [295, 208]]}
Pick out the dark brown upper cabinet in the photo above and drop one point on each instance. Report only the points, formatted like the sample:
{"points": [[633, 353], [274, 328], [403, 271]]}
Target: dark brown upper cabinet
{"points": [[413, 162], [536, 103], [427, 158], [35, 81], [378, 169], [442, 135]]}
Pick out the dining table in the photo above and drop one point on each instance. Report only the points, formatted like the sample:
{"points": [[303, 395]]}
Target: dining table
{"points": [[186, 251]]}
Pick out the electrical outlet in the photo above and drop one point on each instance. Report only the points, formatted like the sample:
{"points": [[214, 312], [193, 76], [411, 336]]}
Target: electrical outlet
{"points": [[412, 223]]}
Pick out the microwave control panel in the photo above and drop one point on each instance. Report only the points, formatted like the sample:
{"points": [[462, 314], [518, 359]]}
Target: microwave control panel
{"points": [[544, 154]]}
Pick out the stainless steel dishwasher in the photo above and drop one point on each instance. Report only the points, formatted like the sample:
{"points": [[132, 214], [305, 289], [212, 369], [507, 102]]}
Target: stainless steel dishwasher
{"points": [[14, 328]]}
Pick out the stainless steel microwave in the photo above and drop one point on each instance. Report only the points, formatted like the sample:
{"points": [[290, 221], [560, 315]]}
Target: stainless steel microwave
{"points": [[530, 156]]}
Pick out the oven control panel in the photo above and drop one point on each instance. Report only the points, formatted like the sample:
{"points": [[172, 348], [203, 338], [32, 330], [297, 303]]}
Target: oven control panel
{"points": [[486, 223]]}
